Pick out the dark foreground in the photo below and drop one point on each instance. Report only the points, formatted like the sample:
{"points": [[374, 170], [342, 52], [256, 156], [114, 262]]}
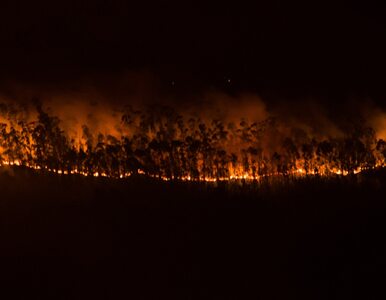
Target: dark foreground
{"points": [[66, 237]]}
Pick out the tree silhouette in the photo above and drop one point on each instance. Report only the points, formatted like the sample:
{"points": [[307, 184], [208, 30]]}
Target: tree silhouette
{"points": [[159, 142]]}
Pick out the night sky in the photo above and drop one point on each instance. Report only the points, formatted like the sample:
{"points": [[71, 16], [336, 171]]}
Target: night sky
{"points": [[293, 49]]}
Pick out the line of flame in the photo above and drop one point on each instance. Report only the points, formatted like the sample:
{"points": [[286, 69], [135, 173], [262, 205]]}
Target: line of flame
{"points": [[245, 176]]}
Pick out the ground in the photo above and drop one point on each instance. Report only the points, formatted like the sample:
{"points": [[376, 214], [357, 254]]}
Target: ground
{"points": [[70, 237]]}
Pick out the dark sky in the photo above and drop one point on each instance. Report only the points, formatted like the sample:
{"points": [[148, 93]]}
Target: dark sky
{"points": [[295, 48]]}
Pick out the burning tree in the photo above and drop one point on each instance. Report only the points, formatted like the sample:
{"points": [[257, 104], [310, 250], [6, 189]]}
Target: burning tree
{"points": [[161, 143]]}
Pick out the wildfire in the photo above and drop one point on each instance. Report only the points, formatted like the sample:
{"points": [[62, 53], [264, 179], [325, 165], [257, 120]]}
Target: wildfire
{"points": [[161, 144]]}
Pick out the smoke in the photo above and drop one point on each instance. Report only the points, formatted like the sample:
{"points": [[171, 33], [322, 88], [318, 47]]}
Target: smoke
{"points": [[99, 103], [379, 124]]}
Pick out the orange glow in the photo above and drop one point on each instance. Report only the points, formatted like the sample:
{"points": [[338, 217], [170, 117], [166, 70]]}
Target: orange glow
{"points": [[162, 144]]}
